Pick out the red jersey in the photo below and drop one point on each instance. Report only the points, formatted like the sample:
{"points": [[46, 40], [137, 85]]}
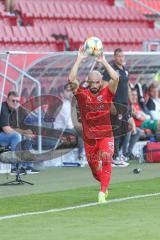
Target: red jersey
{"points": [[95, 112]]}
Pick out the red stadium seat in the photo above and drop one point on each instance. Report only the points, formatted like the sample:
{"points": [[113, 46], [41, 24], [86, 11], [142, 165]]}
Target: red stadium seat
{"points": [[17, 33], [9, 34], [74, 11], [154, 4], [62, 19]]}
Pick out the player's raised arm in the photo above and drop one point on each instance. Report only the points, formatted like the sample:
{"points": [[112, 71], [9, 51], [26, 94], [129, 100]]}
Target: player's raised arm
{"points": [[114, 78], [74, 84]]}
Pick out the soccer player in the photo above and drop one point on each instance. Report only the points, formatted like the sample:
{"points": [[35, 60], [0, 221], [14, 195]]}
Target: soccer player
{"points": [[94, 104]]}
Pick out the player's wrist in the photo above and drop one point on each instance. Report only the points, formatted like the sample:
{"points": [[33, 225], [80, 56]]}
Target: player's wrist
{"points": [[104, 61]]}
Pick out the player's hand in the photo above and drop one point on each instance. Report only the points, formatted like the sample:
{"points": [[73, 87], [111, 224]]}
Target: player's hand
{"points": [[101, 58], [81, 53]]}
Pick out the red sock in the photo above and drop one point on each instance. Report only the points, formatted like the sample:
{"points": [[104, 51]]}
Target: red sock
{"points": [[105, 174]]}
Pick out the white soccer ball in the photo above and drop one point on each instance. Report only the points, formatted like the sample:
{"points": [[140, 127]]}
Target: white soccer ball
{"points": [[93, 46]]}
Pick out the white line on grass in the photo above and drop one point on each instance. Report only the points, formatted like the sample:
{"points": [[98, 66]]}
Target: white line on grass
{"points": [[77, 207]]}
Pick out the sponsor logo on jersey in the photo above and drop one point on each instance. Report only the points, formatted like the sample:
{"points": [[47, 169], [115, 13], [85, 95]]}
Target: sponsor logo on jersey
{"points": [[100, 98]]}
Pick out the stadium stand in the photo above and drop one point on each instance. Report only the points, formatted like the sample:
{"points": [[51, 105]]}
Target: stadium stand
{"points": [[62, 25], [154, 4]]}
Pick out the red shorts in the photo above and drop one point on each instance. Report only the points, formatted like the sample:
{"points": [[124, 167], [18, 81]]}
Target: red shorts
{"points": [[105, 145]]}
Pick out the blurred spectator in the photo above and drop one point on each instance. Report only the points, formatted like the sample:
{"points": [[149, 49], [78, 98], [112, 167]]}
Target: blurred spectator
{"points": [[64, 119], [153, 103], [142, 120]]}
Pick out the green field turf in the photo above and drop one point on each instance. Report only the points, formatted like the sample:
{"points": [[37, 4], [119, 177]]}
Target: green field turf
{"points": [[64, 187]]}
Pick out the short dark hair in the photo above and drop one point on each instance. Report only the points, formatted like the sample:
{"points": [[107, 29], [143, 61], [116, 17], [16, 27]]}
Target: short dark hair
{"points": [[13, 93], [117, 50]]}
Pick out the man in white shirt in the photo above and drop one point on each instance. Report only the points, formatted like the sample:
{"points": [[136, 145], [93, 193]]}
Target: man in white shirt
{"points": [[153, 103], [64, 118]]}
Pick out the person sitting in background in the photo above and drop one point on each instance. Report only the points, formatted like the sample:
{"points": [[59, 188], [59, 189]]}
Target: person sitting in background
{"points": [[64, 118], [10, 134], [132, 136], [139, 121], [153, 103], [142, 120]]}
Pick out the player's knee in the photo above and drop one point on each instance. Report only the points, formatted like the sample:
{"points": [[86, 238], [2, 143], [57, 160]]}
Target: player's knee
{"points": [[106, 154]]}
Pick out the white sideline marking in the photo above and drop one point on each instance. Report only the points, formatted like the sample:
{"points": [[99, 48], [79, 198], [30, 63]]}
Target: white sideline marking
{"points": [[77, 207]]}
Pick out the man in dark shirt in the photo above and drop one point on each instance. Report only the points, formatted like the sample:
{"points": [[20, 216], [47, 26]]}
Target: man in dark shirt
{"points": [[10, 133], [122, 113]]}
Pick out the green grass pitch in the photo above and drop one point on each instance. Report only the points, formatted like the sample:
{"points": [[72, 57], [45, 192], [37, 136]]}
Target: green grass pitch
{"points": [[65, 187]]}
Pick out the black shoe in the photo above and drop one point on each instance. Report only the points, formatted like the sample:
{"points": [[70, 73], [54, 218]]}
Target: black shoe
{"points": [[31, 170]]}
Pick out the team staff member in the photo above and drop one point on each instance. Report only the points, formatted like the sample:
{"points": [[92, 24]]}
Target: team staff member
{"points": [[122, 114], [94, 104]]}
